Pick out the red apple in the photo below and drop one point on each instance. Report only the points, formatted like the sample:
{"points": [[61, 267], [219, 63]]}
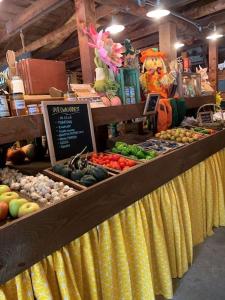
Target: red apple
{"points": [[4, 209]]}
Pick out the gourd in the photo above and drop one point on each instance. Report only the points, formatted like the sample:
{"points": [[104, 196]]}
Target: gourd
{"points": [[76, 175], [16, 155], [88, 180], [98, 173], [29, 151]]}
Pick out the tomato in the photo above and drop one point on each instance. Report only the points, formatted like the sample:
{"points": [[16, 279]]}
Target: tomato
{"points": [[131, 163], [122, 164], [126, 168]]}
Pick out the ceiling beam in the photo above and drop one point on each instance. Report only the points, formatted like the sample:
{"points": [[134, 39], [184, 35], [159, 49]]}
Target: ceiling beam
{"points": [[31, 14], [63, 32]]}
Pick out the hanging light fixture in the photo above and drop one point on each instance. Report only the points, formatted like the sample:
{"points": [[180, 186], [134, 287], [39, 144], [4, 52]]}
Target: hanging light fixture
{"points": [[158, 12], [115, 28], [215, 34], [178, 45]]}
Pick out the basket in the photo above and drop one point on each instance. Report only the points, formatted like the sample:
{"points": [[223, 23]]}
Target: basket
{"points": [[205, 116]]}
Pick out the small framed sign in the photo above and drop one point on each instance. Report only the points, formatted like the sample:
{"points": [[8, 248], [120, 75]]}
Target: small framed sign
{"points": [[69, 128], [205, 117], [151, 104]]}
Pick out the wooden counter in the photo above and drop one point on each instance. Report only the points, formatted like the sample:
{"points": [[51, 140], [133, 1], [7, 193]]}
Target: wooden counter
{"points": [[18, 128], [27, 240]]}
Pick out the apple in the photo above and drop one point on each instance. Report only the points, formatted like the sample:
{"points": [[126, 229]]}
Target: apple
{"points": [[7, 197], [28, 208], [4, 189], [15, 205], [4, 209]]}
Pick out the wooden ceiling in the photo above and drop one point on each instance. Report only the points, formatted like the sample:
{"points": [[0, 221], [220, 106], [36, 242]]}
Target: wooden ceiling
{"points": [[49, 26]]}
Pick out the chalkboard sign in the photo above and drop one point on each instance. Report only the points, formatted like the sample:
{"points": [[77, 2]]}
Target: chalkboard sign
{"points": [[205, 117], [151, 104], [69, 128]]}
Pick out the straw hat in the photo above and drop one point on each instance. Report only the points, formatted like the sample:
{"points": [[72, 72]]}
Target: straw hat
{"points": [[151, 52]]}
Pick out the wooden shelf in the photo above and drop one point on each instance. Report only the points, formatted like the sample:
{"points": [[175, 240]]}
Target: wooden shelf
{"points": [[18, 128], [28, 240]]}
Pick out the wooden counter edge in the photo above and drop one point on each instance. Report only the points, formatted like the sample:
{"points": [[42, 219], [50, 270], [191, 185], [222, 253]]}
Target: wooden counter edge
{"points": [[28, 240]]}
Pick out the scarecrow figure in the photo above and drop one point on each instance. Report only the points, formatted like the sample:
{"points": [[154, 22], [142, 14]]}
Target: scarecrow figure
{"points": [[154, 78]]}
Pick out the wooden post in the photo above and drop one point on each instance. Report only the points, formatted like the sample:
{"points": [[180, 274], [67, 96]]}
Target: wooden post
{"points": [[85, 15], [167, 39], [213, 64]]}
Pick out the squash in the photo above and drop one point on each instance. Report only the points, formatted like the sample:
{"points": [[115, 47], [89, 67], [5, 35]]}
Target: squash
{"points": [[29, 151], [99, 173], [16, 155], [88, 180], [58, 168], [76, 175], [66, 172]]}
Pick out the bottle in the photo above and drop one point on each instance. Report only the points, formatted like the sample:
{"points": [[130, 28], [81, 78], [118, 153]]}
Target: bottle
{"points": [[17, 104], [4, 108]]}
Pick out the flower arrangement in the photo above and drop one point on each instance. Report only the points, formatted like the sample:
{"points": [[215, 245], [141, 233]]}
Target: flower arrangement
{"points": [[108, 56]]}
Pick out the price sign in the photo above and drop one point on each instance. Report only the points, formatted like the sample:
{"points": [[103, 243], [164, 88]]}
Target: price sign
{"points": [[69, 128], [205, 117], [151, 104]]}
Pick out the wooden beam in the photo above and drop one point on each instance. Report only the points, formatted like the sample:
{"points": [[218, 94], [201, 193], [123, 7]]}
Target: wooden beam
{"points": [[63, 32], [32, 14], [205, 10], [213, 64], [167, 39], [85, 15], [60, 33]]}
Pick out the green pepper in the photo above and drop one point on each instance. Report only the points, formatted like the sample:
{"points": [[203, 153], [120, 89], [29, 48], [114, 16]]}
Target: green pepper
{"points": [[140, 154]]}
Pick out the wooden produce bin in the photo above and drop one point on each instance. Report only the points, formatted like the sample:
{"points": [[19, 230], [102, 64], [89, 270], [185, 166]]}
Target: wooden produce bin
{"points": [[55, 226]]}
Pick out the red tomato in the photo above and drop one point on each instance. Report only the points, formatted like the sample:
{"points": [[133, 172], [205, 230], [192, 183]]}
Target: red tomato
{"points": [[131, 163], [122, 164], [126, 168]]}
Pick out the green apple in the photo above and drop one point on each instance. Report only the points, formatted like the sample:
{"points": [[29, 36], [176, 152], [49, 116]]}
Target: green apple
{"points": [[28, 208], [15, 205], [4, 189], [7, 197]]}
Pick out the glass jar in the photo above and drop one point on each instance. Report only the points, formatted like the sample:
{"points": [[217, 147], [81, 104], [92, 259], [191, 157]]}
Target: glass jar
{"points": [[17, 104], [17, 85], [4, 107], [32, 109]]}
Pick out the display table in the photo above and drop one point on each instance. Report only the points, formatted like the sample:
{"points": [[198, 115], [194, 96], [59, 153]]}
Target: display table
{"points": [[150, 218]]}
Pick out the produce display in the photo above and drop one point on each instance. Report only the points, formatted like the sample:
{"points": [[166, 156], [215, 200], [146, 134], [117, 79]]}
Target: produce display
{"points": [[12, 205], [202, 130], [180, 135], [133, 151], [40, 188], [81, 171], [160, 146], [113, 161]]}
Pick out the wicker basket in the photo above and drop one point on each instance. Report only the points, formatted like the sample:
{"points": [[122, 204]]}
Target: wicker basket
{"points": [[205, 116]]}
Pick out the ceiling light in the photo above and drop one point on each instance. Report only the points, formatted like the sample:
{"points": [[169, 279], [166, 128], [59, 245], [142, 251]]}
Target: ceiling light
{"points": [[214, 35], [178, 45], [158, 12], [115, 28]]}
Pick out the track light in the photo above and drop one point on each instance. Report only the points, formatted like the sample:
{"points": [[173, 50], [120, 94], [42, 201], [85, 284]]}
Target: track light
{"points": [[178, 45]]}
